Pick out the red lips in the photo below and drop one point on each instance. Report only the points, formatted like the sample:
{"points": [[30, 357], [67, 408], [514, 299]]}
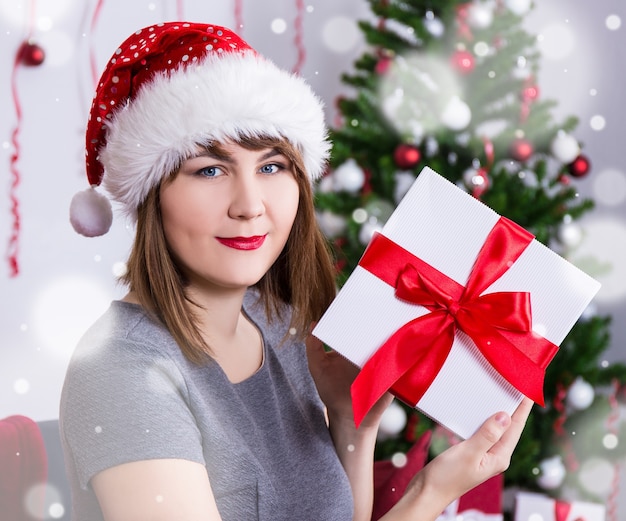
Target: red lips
{"points": [[243, 243]]}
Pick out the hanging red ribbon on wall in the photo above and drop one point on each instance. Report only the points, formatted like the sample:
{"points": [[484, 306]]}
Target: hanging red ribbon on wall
{"points": [[28, 54], [238, 17], [299, 37]]}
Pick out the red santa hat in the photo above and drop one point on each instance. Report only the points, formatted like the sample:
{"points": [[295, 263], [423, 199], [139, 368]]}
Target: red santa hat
{"points": [[173, 86]]}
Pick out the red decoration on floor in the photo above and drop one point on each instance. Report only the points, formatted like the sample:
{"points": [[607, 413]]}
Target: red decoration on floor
{"points": [[24, 466]]}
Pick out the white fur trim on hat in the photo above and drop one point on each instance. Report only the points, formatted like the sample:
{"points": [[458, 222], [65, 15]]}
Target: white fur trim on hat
{"points": [[224, 97]]}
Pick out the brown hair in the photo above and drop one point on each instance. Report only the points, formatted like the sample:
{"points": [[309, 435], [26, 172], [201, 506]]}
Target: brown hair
{"points": [[302, 277]]}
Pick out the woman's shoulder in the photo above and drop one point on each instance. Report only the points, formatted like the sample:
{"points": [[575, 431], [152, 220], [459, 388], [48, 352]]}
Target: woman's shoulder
{"points": [[124, 325], [124, 352], [124, 341]]}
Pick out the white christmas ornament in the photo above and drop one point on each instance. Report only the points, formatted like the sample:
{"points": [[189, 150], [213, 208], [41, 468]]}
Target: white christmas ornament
{"points": [[349, 177], [457, 115], [518, 7], [379, 209], [392, 103], [552, 473], [434, 25], [570, 234], [529, 178], [565, 147], [393, 420], [330, 223], [522, 71], [480, 15], [368, 230], [404, 180], [416, 130], [431, 146], [580, 395], [473, 178], [325, 184]]}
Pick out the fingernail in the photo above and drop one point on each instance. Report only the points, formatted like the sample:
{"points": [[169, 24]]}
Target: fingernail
{"points": [[503, 419]]}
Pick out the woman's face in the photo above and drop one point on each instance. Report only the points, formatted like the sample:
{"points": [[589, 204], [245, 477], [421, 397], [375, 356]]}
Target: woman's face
{"points": [[226, 217]]}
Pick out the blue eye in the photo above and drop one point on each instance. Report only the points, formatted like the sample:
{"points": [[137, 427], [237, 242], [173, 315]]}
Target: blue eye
{"points": [[271, 168], [209, 171]]}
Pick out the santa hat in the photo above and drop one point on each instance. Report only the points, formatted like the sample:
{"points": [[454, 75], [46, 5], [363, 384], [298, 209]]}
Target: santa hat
{"points": [[173, 86]]}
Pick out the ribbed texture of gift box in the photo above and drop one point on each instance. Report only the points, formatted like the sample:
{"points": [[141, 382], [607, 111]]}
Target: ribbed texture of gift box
{"points": [[446, 227]]}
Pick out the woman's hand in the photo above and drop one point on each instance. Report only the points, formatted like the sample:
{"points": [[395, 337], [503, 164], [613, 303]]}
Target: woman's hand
{"points": [[463, 466], [333, 375]]}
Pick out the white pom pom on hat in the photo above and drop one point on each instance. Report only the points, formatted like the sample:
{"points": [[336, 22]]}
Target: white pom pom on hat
{"points": [[91, 214], [172, 86]]}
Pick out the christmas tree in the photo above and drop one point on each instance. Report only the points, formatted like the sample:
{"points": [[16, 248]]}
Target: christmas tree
{"points": [[453, 85]]}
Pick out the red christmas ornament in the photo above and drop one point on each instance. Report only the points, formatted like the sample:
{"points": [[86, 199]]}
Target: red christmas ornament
{"points": [[521, 149], [406, 156], [579, 167], [463, 61], [530, 93], [481, 183], [476, 180], [382, 66], [30, 54]]}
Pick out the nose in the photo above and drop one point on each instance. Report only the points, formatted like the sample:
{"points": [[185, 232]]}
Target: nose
{"points": [[246, 199]]}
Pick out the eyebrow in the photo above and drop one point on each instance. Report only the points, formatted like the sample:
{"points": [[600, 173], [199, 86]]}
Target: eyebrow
{"points": [[228, 158]]}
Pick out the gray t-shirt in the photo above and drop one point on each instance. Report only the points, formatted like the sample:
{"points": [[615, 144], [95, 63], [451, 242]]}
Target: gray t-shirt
{"points": [[130, 394]]}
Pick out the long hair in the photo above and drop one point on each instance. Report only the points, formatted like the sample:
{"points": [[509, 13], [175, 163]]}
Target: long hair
{"points": [[303, 276]]}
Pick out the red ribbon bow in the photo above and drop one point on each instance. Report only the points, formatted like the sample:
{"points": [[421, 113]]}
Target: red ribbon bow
{"points": [[499, 323]]}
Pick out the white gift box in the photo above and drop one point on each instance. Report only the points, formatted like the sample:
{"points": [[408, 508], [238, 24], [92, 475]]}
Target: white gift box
{"points": [[530, 506], [446, 227], [452, 513]]}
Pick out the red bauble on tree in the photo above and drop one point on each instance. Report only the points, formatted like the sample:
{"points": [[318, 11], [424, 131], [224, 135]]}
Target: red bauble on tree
{"points": [[530, 93], [463, 61], [579, 167], [521, 149], [30, 54], [383, 64], [406, 156], [476, 180]]}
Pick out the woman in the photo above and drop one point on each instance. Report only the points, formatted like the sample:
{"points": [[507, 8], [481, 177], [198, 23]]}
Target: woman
{"points": [[200, 394]]}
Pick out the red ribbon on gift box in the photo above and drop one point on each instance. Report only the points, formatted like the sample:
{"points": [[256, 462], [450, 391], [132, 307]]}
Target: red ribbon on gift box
{"points": [[561, 510], [499, 323]]}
